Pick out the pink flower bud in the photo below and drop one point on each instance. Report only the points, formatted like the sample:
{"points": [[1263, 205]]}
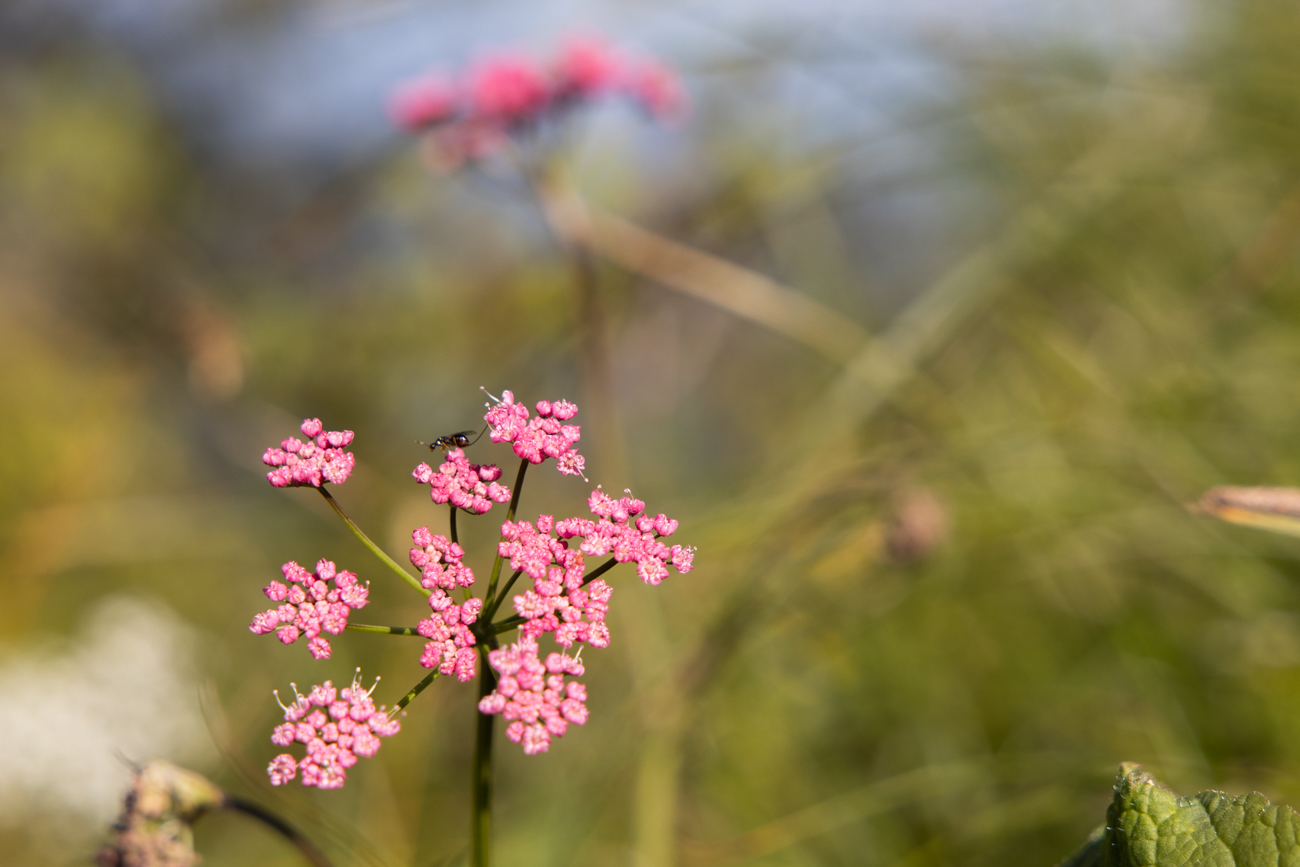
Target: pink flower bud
{"points": [[422, 102], [282, 769]]}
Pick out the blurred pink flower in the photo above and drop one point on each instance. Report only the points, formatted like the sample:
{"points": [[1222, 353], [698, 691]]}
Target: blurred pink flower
{"points": [[586, 67], [471, 117], [423, 102], [509, 88], [656, 88]]}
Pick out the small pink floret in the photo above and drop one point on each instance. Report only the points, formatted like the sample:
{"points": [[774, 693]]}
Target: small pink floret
{"points": [[319, 647], [423, 102], [656, 89], [586, 67], [509, 88], [282, 769]]}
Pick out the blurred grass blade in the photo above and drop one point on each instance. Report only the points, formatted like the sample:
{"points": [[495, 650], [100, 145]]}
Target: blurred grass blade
{"points": [[1275, 509], [855, 806], [1170, 124], [724, 284]]}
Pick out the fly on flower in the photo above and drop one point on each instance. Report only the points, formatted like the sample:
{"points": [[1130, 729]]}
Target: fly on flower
{"points": [[458, 440]]}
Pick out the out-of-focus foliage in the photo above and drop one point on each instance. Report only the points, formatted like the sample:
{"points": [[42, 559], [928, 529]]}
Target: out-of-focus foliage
{"points": [[940, 593]]}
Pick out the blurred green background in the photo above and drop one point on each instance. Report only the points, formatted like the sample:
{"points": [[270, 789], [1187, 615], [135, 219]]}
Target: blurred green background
{"points": [[943, 588]]}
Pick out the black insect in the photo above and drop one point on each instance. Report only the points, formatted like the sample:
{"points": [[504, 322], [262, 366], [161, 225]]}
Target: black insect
{"points": [[458, 440]]}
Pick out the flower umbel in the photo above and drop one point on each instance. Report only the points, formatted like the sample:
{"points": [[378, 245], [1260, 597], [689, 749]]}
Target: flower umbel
{"points": [[540, 438], [533, 689], [310, 606], [571, 605], [439, 561], [509, 95], [467, 486], [336, 726], [320, 459], [533, 695]]}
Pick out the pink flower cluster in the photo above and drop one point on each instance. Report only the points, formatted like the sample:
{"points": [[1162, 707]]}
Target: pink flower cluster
{"points": [[466, 486], [541, 438], [534, 696], [509, 92], [557, 603], [450, 648], [320, 459], [563, 601], [637, 541], [309, 606], [352, 728], [439, 561]]}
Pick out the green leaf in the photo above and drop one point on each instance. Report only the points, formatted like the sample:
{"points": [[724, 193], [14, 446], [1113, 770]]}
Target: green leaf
{"points": [[1149, 826]]}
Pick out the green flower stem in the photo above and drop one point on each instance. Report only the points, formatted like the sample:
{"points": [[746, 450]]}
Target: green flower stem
{"points": [[415, 690], [496, 603], [386, 630], [455, 538], [308, 849], [506, 625], [510, 516], [481, 790], [599, 570], [512, 622], [374, 549]]}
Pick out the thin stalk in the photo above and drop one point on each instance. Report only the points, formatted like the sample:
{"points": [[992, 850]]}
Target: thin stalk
{"points": [[386, 630], [496, 603], [595, 361], [451, 522], [481, 790], [308, 849], [365, 540], [511, 622], [415, 690], [599, 570], [510, 516], [507, 624]]}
